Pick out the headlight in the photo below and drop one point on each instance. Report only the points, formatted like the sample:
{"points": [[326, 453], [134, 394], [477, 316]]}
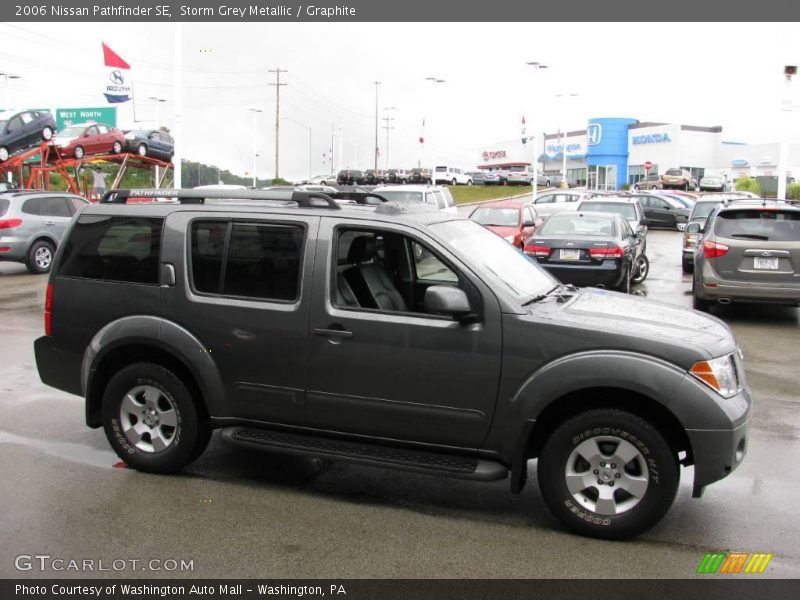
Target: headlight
{"points": [[509, 239], [718, 374]]}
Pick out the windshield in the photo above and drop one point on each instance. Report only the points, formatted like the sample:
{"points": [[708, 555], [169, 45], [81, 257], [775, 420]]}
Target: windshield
{"points": [[503, 266], [578, 225], [703, 209], [626, 210], [400, 196], [71, 132], [500, 217]]}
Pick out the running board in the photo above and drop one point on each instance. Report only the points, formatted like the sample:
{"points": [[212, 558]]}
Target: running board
{"points": [[389, 457]]}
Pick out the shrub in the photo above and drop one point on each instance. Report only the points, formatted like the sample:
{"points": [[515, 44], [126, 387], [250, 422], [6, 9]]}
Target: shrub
{"points": [[793, 191], [626, 187], [748, 184]]}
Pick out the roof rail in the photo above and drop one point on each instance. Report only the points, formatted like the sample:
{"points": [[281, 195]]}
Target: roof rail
{"points": [[303, 199]]}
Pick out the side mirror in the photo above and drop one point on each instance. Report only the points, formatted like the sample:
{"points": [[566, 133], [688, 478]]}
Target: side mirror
{"points": [[694, 228], [450, 301], [529, 224]]}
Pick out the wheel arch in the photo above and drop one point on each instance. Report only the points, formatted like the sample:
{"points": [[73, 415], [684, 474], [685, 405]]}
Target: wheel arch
{"points": [[149, 339]]}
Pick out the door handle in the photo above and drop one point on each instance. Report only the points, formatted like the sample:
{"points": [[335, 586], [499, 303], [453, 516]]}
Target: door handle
{"points": [[334, 333]]}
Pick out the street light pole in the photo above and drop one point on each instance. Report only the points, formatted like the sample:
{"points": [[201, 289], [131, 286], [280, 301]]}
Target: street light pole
{"points": [[158, 102], [255, 112], [564, 183], [6, 77], [434, 81], [783, 151], [375, 150], [535, 180], [387, 127], [340, 146]]}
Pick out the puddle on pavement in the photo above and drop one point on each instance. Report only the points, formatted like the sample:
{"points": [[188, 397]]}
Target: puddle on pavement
{"points": [[72, 452]]}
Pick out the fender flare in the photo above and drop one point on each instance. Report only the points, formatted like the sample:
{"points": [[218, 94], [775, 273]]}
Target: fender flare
{"points": [[144, 330]]}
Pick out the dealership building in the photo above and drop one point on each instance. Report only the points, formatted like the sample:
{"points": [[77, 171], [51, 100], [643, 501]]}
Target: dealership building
{"points": [[612, 152]]}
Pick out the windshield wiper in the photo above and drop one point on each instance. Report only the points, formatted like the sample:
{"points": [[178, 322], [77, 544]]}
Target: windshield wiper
{"points": [[540, 296], [750, 236]]}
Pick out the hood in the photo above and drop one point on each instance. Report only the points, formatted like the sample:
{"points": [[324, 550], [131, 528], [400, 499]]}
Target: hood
{"points": [[613, 320], [503, 231]]}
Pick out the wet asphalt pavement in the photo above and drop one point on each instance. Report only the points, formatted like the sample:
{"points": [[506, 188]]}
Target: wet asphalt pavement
{"points": [[236, 512]]}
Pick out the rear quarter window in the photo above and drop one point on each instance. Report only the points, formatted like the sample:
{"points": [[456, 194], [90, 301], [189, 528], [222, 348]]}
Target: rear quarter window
{"points": [[4, 204], [110, 248]]}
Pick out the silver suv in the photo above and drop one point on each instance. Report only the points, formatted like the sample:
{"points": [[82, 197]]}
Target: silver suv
{"points": [[749, 252], [32, 224]]}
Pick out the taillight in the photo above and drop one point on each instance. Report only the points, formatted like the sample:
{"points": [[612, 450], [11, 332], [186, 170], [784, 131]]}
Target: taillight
{"points": [[615, 252], [10, 223], [48, 306], [537, 250], [714, 250]]}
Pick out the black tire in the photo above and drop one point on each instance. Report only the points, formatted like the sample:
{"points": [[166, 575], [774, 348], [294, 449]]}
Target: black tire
{"points": [[547, 183], [652, 474], [40, 257], [141, 150], [625, 285], [636, 186], [642, 270], [184, 442], [687, 267], [454, 182], [78, 152], [47, 134], [699, 303], [116, 147], [686, 187]]}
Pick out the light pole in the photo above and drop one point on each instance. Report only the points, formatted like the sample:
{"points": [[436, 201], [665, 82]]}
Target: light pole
{"points": [[434, 81], [339, 129], [783, 153], [375, 150], [309, 141], [387, 127], [537, 66], [564, 183], [6, 77], [158, 102], [255, 112]]}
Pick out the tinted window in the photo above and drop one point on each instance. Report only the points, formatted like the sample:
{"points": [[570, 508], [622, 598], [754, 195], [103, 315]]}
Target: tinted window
{"points": [[77, 203], [113, 249], [33, 206], [250, 260], [772, 225], [703, 209], [545, 200], [14, 124], [626, 210], [4, 204], [56, 207]]}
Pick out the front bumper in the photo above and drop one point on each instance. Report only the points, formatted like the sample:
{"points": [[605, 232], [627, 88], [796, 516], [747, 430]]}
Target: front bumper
{"points": [[717, 453]]}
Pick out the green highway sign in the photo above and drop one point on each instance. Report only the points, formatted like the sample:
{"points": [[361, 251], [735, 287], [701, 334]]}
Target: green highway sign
{"points": [[71, 116]]}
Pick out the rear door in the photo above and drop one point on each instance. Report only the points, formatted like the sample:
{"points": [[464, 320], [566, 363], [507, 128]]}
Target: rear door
{"points": [[764, 245], [243, 289], [57, 214]]}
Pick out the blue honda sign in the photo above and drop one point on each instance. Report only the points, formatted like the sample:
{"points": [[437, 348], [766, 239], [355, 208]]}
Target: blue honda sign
{"points": [[594, 133]]}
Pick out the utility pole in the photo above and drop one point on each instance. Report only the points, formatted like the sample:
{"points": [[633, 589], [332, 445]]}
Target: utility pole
{"points": [[387, 127], [333, 135], [277, 85], [375, 150]]}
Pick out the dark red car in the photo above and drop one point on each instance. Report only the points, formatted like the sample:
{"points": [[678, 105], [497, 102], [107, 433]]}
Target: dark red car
{"points": [[76, 141], [513, 220]]}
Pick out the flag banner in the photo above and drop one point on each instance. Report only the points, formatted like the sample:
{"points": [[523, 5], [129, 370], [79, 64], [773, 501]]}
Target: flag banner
{"points": [[117, 81]]}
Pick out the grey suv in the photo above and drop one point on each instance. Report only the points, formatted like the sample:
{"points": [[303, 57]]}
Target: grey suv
{"points": [[300, 325], [32, 224], [749, 252]]}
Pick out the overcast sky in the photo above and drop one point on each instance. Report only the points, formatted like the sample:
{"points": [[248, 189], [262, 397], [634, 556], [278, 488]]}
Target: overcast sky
{"points": [[696, 74]]}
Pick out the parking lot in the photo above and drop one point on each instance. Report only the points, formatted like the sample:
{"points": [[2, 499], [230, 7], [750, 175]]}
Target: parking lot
{"points": [[237, 512]]}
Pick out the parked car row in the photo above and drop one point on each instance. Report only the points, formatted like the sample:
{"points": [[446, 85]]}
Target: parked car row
{"points": [[29, 128]]}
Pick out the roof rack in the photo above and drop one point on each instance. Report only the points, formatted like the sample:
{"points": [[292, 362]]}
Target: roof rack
{"points": [[303, 198]]}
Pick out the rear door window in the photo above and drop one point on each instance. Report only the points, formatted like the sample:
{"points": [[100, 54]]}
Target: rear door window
{"points": [[56, 206], [247, 259], [113, 249]]}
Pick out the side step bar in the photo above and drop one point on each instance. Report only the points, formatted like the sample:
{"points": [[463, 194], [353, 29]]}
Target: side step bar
{"points": [[282, 442]]}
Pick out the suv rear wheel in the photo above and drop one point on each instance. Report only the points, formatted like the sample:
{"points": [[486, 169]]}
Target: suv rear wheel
{"points": [[607, 473], [40, 257], [151, 419]]}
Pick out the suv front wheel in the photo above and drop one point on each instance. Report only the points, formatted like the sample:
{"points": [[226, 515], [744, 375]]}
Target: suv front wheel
{"points": [[151, 419], [607, 473]]}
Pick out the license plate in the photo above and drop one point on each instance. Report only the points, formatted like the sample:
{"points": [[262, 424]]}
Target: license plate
{"points": [[766, 263], [572, 255]]}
